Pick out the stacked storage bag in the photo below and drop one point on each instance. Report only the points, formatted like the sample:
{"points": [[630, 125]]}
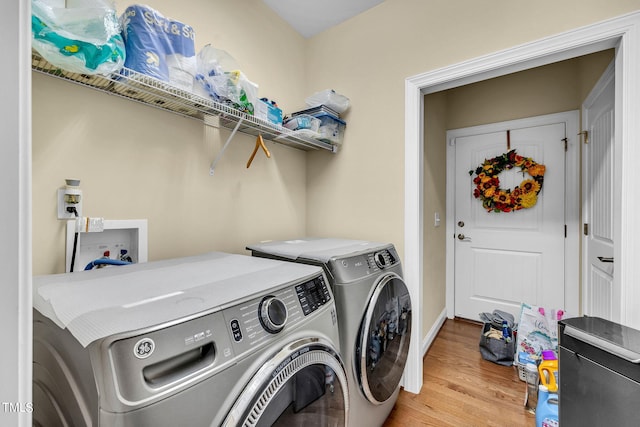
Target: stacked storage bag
{"points": [[159, 47]]}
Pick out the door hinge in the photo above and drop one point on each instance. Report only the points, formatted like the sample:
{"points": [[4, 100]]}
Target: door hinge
{"points": [[585, 133], [566, 143], [565, 231], [585, 229]]}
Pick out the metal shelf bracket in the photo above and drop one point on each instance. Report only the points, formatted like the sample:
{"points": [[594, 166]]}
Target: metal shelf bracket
{"points": [[212, 168]]}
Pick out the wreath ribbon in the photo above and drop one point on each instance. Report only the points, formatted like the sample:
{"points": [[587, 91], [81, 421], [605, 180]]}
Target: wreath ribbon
{"points": [[496, 199]]}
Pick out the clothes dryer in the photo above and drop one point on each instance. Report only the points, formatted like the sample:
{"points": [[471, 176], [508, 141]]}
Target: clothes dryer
{"points": [[212, 340], [374, 315]]}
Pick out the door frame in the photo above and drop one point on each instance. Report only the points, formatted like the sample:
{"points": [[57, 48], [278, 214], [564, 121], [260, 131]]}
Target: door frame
{"points": [[623, 33], [572, 200], [15, 216]]}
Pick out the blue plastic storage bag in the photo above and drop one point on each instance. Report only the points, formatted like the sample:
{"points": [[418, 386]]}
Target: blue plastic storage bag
{"points": [[159, 47]]}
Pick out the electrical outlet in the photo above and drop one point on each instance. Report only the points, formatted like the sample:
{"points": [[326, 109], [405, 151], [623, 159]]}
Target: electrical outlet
{"points": [[66, 201]]}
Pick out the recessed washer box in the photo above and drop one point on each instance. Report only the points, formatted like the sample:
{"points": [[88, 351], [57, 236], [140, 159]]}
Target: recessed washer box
{"points": [[117, 235]]}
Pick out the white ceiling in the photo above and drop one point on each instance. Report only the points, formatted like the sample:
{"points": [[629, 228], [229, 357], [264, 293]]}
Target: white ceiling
{"points": [[310, 17]]}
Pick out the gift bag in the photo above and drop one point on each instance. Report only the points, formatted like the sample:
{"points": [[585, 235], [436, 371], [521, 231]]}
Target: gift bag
{"points": [[497, 343], [538, 329]]}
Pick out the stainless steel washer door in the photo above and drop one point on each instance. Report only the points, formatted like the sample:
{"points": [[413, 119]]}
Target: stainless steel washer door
{"points": [[383, 340], [304, 384]]}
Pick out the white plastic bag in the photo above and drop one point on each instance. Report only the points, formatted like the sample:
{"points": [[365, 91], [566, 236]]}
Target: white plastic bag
{"points": [[538, 329], [330, 98], [83, 37], [222, 80]]}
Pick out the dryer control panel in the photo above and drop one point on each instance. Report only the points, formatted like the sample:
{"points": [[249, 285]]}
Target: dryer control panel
{"points": [[355, 267], [261, 319], [313, 295], [382, 259]]}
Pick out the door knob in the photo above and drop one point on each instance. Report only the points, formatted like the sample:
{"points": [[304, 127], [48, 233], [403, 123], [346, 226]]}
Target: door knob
{"points": [[605, 259], [460, 236]]}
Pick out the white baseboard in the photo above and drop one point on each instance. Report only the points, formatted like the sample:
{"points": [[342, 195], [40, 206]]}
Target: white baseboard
{"points": [[431, 335]]}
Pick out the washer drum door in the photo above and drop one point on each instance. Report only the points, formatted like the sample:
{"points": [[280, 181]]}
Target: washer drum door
{"points": [[304, 384], [383, 340]]}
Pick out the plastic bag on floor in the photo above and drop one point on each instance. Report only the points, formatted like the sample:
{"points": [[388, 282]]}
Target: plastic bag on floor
{"points": [[83, 37], [538, 329]]}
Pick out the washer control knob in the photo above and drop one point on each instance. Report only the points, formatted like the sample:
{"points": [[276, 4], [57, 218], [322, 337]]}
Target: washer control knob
{"points": [[273, 314], [381, 261]]}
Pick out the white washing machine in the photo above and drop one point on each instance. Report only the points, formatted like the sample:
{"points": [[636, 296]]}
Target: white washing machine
{"points": [[374, 315], [211, 340]]}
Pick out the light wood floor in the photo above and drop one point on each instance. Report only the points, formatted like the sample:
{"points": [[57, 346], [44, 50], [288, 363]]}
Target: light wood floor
{"points": [[460, 388]]}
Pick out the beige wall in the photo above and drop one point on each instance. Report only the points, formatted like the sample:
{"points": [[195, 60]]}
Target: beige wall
{"points": [[359, 192], [138, 162], [435, 201], [544, 90]]}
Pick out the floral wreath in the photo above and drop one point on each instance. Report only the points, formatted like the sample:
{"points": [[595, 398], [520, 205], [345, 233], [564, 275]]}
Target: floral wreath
{"points": [[494, 198]]}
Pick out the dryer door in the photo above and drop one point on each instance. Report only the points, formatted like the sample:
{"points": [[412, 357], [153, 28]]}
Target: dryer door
{"points": [[304, 384], [383, 343]]}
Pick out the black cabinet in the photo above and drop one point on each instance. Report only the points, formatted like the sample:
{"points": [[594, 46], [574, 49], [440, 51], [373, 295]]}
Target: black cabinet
{"points": [[599, 373]]}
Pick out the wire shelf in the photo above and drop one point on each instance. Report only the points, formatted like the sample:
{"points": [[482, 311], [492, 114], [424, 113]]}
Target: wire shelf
{"points": [[147, 90]]}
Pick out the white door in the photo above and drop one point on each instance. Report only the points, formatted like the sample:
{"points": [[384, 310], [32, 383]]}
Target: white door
{"points": [[600, 296], [503, 259]]}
